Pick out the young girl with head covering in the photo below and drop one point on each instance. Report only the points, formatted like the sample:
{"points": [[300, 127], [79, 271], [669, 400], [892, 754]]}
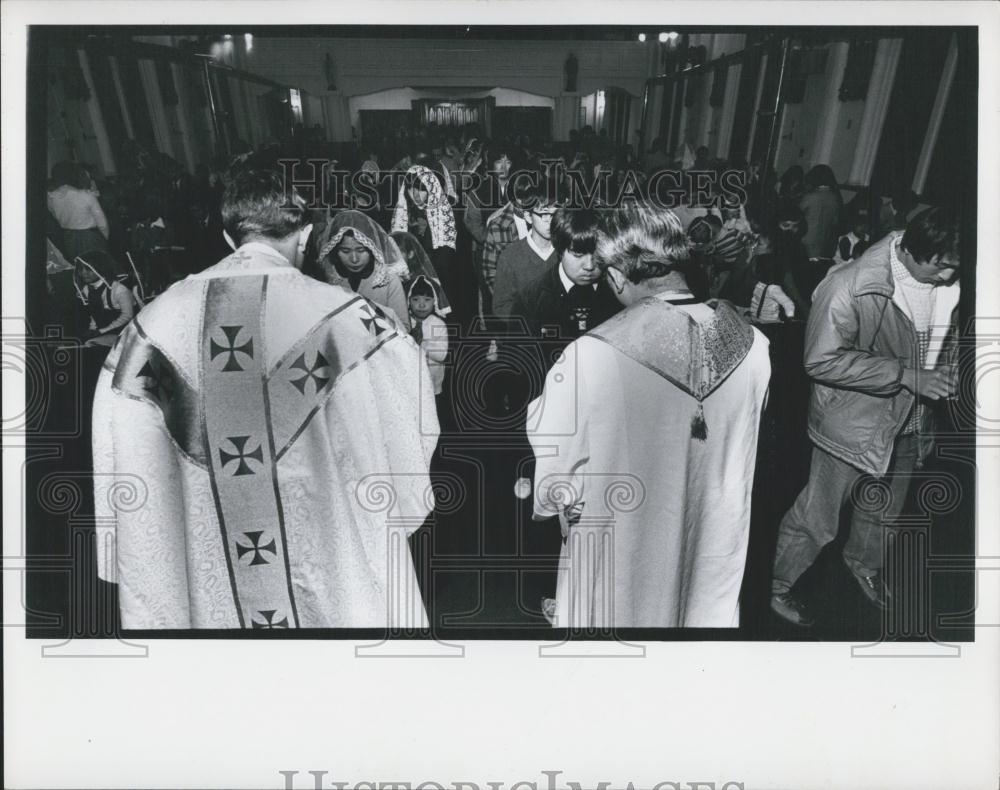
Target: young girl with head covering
{"points": [[428, 328], [419, 264], [356, 254], [422, 208], [108, 300]]}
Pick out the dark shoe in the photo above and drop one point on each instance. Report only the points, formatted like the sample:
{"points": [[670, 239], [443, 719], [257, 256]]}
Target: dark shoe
{"points": [[792, 608], [874, 588]]}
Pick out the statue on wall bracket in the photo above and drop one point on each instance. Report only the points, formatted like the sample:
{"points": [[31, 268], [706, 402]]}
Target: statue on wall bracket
{"points": [[571, 68]]}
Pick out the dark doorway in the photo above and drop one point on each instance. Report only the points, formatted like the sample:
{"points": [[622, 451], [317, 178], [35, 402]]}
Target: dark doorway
{"points": [[378, 125], [533, 121]]}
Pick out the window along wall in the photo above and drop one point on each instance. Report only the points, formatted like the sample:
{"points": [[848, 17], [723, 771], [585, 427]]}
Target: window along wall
{"points": [[103, 97], [877, 110]]}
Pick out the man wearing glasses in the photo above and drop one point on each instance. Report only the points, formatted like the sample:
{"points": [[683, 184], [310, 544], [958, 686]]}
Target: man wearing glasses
{"points": [[525, 260], [880, 348]]}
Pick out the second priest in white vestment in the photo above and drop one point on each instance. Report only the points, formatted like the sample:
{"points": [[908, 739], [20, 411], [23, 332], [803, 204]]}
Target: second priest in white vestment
{"points": [[646, 437]]}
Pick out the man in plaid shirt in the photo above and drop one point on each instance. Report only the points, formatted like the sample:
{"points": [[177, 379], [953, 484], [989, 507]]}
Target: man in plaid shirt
{"points": [[504, 227]]}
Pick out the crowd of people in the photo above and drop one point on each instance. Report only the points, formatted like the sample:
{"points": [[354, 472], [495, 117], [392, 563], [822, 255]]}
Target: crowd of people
{"points": [[624, 338]]}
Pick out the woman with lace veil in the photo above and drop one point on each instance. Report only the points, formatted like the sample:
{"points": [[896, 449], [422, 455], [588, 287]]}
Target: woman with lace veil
{"points": [[356, 254], [422, 209]]}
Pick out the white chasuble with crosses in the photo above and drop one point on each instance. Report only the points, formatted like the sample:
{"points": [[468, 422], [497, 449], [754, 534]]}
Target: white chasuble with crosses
{"points": [[247, 427]]}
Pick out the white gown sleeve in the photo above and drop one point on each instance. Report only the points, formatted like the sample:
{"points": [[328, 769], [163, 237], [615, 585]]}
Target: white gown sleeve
{"points": [[139, 504], [557, 428], [104, 457]]}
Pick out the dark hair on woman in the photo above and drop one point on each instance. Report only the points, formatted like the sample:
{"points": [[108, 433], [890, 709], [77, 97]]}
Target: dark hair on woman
{"points": [[534, 188], [574, 230], [412, 179], [931, 234], [904, 199], [257, 203], [788, 211], [494, 150], [63, 174], [761, 216], [792, 176], [821, 176], [100, 261], [858, 212], [70, 174], [703, 230]]}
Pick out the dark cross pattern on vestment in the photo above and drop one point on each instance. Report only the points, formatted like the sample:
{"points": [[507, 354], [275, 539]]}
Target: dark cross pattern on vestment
{"points": [[231, 333], [269, 621], [375, 320], [158, 382], [310, 373], [241, 455], [256, 547]]}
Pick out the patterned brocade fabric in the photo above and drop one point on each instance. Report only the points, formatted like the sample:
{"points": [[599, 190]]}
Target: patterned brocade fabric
{"points": [[695, 358], [229, 415]]}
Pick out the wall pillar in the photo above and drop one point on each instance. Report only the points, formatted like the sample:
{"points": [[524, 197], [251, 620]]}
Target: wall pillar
{"points": [[635, 125], [654, 113], [122, 102], [728, 114], [157, 111], [707, 112], [97, 120], [183, 124], [758, 97], [337, 113], [876, 108], [565, 115], [827, 125], [937, 116]]}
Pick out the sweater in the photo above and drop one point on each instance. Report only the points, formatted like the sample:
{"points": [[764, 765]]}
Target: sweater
{"points": [[519, 264]]}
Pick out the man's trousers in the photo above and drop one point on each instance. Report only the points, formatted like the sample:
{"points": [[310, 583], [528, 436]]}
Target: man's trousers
{"points": [[814, 519]]}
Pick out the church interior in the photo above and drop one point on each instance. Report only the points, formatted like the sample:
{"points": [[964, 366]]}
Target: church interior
{"points": [[153, 119]]}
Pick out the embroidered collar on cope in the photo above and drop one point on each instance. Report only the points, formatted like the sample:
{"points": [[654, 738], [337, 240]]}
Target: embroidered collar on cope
{"points": [[695, 357]]}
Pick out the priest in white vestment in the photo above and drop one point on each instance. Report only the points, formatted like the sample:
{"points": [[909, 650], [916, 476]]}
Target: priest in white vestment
{"points": [[645, 438], [262, 443]]}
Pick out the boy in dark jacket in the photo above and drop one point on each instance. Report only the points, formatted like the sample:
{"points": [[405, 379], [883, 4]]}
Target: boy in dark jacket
{"points": [[570, 297]]}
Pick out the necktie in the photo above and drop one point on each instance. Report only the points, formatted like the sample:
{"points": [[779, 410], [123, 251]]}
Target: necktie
{"points": [[581, 295]]}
